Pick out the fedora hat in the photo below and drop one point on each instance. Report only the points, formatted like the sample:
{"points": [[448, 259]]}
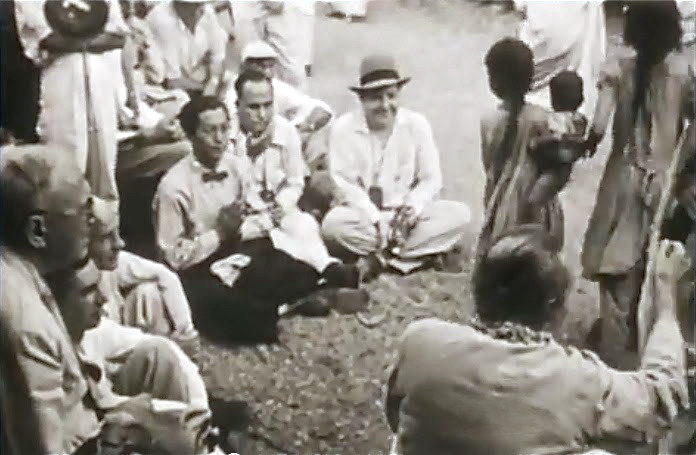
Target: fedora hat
{"points": [[378, 71]]}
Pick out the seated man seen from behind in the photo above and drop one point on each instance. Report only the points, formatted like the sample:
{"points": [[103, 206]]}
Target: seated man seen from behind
{"points": [[386, 168], [501, 385]]}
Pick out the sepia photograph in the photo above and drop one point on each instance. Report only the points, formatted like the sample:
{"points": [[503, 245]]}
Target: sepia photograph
{"points": [[356, 227]]}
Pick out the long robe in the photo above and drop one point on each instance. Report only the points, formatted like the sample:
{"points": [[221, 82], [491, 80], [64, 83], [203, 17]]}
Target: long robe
{"points": [[65, 106]]}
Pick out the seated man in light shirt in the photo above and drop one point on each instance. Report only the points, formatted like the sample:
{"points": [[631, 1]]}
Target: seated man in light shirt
{"points": [[241, 256], [386, 169], [140, 293], [501, 385], [309, 115], [146, 386], [192, 43]]}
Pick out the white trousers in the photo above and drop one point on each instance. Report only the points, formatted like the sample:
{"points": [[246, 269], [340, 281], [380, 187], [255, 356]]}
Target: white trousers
{"points": [[440, 226]]}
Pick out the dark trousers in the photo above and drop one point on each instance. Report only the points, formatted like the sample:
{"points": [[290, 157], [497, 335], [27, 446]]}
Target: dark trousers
{"points": [[247, 312]]}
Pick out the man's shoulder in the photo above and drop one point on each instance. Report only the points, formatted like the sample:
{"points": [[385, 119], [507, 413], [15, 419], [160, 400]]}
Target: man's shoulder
{"points": [[284, 132], [433, 330], [349, 121], [413, 117], [162, 11], [174, 178], [22, 302]]}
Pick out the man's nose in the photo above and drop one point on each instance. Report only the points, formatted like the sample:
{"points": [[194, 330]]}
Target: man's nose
{"points": [[120, 243], [264, 112], [100, 299], [219, 136]]}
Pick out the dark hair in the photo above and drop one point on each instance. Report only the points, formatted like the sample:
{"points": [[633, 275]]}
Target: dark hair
{"points": [[249, 74], [653, 29], [566, 91], [510, 63], [22, 182], [520, 279], [189, 117]]}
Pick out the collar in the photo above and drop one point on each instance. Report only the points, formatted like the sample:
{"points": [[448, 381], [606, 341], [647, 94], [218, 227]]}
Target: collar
{"points": [[29, 270], [511, 332], [198, 168], [200, 13], [361, 121], [278, 139]]}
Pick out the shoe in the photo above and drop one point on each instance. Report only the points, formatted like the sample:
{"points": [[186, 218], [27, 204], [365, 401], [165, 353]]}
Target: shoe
{"points": [[370, 267], [315, 305], [351, 301], [448, 262], [339, 275]]}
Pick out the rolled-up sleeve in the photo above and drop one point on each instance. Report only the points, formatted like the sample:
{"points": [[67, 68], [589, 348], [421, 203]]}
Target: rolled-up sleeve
{"points": [[428, 173], [32, 27], [634, 404], [40, 360], [179, 251]]}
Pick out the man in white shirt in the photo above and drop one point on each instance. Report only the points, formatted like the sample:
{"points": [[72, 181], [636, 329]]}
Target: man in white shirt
{"points": [[192, 43], [386, 168], [210, 207], [309, 115]]}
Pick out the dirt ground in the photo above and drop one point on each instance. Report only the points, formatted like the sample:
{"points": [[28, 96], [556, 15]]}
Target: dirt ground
{"points": [[321, 389]]}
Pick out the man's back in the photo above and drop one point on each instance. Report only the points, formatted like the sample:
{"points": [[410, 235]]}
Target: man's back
{"points": [[512, 392], [46, 355]]}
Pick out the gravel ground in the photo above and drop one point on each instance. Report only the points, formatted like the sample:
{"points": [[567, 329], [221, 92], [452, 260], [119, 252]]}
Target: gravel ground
{"points": [[320, 390]]}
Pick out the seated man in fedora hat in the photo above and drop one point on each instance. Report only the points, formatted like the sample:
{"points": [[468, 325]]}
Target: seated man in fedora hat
{"points": [[385, 165]]}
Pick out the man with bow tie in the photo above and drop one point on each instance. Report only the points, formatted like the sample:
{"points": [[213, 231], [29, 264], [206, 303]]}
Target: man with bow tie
{"points": [[232, 206]]}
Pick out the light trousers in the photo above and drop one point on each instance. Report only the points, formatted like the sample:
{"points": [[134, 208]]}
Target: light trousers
{"points": [[440, 226]]}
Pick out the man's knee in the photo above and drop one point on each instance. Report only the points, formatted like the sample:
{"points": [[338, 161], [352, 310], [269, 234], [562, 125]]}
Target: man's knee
{"points": [[145, 291], [452, 213], [344, 222], [155, 350]]}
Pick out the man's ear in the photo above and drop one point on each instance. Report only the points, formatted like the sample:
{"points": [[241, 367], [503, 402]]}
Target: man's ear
{"points": [[36, 231]]}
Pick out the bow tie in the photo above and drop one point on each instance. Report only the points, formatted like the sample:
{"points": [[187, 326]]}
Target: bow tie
{"points": [[214, 176]]}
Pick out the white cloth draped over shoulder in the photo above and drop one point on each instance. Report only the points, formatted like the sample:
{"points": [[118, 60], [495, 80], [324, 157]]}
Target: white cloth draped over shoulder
{"points": [[568, 35], [63, 118]]}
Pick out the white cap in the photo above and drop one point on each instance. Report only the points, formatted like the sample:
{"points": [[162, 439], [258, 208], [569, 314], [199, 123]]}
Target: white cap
{"points": [[105, 213], [258, 49]]}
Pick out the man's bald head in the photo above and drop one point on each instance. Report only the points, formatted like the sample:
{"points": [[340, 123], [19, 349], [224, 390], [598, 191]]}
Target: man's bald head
{"points": [[43, 197]]}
